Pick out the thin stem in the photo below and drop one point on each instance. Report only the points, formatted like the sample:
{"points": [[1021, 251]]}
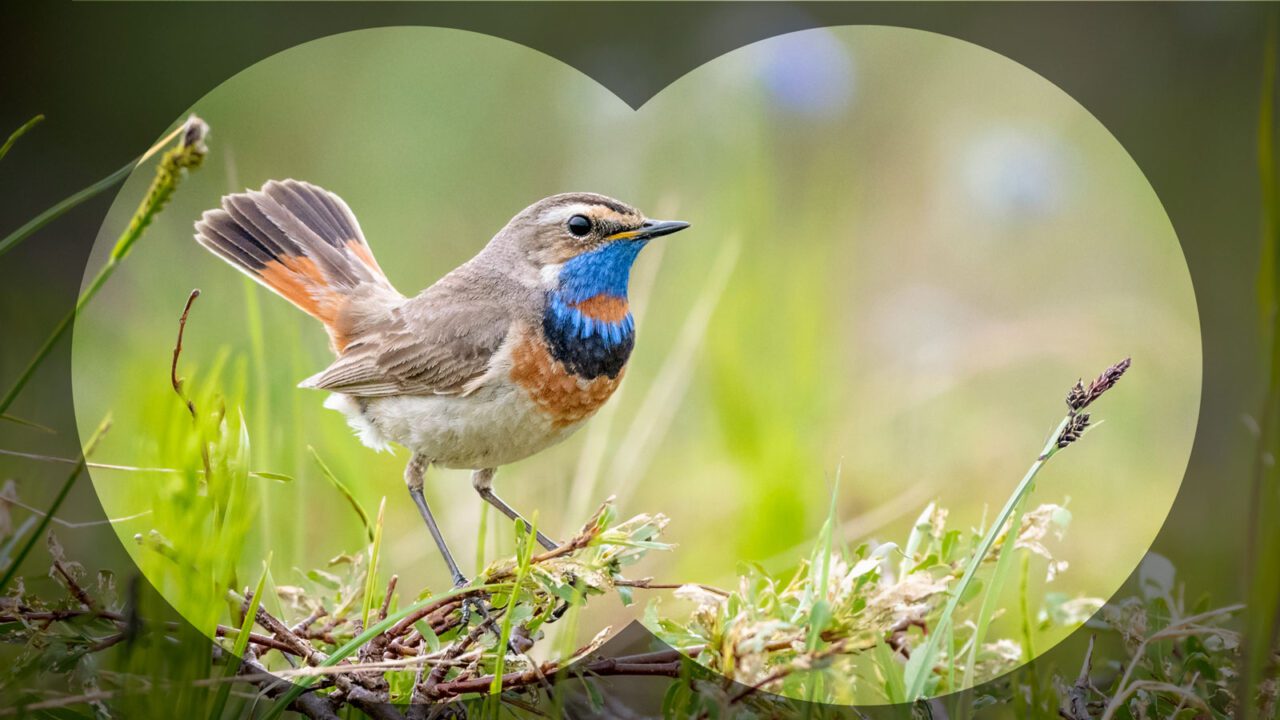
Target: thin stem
{"points": [[174, 380], [27, 423], [920, 672], [524, 556], [1262, 551], [263, 474], [990, 599], [4, 149]]}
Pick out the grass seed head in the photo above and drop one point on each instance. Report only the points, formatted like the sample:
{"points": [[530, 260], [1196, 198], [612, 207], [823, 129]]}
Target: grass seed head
{"points": [[1103, 383], [194, 133], [1073, 430], [1078, 396]]}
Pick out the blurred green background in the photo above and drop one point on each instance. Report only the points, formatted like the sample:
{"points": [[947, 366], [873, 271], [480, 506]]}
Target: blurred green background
{"points": [[905, 249]]}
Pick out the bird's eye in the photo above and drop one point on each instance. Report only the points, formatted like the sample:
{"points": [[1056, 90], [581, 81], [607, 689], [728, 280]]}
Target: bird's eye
{"points": [[579, 225]]}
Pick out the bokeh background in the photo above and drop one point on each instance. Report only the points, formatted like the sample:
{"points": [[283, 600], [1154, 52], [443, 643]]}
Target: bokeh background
{"points": [[905, 249]]}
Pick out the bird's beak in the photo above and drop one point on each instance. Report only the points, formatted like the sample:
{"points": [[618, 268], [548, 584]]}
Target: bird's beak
{"points": [[650, 229]]}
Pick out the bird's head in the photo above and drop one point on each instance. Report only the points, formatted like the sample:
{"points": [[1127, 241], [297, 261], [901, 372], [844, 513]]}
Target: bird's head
{"points": [[584, 244]]}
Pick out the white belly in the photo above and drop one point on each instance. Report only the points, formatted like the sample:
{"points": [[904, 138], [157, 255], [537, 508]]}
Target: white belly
{"points": [[493, 426]]}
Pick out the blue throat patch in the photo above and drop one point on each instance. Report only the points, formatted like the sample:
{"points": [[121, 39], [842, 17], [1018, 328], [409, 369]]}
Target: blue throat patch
{"points": [[591, 347]]}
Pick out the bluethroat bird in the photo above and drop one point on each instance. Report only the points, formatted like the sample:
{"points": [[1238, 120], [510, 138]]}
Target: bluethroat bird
{"points": [[503, 357]]}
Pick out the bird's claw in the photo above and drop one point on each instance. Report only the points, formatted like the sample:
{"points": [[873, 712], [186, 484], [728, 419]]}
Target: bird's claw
{"points": [[560, 610], [471, 603], [517, 644]]}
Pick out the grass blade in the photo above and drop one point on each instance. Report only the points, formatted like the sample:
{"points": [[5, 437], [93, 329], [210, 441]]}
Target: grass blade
{"points": [[53, 213], [4, 149], [1070, 429], [894, 690], [345, 492], [1028, 636], [275, 476], [820, 614], [991, 594], [241, 644], [654, 416], [482, 529], [1263, 620], [525, 535], [262, 474], [1266, 279], [12, 239], [16, 538], [918, 673], [371, 579], [27, 423]]}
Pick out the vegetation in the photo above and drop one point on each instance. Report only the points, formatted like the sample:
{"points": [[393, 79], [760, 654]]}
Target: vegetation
{"points": [[855, 622], [885, 617]]}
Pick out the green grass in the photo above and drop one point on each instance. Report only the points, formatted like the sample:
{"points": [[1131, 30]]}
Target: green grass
{"points": [[1009, 519], [214, 496], [241, 643], [375, 554], [343, 490], [525, 543], [836, 631], [1263, 591]]}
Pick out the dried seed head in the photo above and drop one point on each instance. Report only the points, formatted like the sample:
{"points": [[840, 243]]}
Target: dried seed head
{"points": [[1106, 381], [1077, 396], [194, 132], [1080, 397], [1074, 429]]}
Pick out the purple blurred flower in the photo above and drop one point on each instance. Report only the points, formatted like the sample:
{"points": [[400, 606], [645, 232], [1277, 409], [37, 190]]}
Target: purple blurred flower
{"points": [[809, 73]]}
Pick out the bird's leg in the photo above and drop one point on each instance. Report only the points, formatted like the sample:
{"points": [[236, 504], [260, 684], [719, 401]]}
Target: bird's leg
{"points": [[482, 481], [413, 476]]}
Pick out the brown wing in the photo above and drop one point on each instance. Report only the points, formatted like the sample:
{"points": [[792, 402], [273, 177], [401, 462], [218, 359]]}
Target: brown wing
{"points": [[434, 344], [303, 243]]}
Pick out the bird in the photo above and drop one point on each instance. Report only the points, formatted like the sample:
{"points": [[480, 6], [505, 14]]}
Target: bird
{"points": [[504, 356]]}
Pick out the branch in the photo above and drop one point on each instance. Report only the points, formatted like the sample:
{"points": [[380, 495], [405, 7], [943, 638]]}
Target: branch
{"points": [[648, 664], [314, 706], [177, 353]]}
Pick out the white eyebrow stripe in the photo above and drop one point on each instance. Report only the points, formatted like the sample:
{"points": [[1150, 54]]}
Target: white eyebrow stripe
{"points": [[564, 212]]}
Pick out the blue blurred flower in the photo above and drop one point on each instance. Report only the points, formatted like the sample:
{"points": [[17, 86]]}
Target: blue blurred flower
{"points": [[809, 73]]}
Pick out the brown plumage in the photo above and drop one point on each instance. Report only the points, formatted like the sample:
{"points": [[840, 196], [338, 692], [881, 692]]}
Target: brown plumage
{"points": [[501, 358], [304, 244]]}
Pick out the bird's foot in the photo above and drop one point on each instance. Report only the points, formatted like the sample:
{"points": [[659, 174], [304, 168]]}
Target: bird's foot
{"points": [[519, 641], [563, 607], [473, 603]]}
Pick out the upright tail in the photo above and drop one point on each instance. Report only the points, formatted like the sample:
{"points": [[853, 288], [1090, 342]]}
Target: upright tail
{"points": [[300, 241]]}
